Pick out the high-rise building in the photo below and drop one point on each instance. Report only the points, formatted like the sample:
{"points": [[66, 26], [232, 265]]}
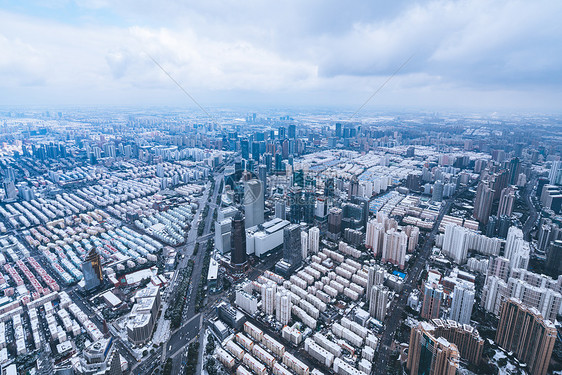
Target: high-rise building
{"points": [[507, 198], [463, 300], [464, 336], [280, 209], [268, 297], [437, 194], [254, 202], [394, 247], [517, 250], [483, 202], [314, 240], [554, 258], [555, 174], [283, 306], [428, 354], [292, 253], [432, 296], [375, 236], [525, 333], [375, 277], [455, 242], [304, 244], [334, 222], [238, 256], [91, 269], [378, 302]]}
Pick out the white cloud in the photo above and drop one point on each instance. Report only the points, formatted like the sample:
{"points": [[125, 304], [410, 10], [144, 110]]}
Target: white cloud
{"points": [[294, 51]]}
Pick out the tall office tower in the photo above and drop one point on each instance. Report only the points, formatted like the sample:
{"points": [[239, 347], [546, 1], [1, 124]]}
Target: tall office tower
{"points": [[292, 252], [256, 151], [455, 242], [334, 222], [507, 198], [554, 258], [499, 267], [432, 295], [254, 202], [338, 132], [527, 335], [10, 190], [91, 269], [483, 202], [292, 131], [555, 174], [375, 236], [245, 148], [378, 302], [329, 187], [375, 277], [308, 208], [437, 194], [428, 354], [463, 300], [314, 240], [280, 212], [281, 131], [268, 297], [304, 244], [514, 168], [238, 257], [363, 202], [394, 247], [262, 174], [283, 306]]}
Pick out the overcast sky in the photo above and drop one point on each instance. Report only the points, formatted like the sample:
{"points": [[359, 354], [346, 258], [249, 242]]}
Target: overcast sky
{"points": [[469, 54]]}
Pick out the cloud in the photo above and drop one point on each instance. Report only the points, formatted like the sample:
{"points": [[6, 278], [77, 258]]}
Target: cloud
{"points": [[293, 51]]}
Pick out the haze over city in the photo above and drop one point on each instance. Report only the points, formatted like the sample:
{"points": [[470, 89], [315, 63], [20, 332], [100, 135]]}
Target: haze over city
{"points": [[280, 188]]}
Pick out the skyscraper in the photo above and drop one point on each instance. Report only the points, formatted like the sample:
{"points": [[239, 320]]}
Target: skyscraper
{"points": [[304, 244], [375, 236], [91, 269], [375, 277], [378, 302], [394, 247], [254, 202], [238, 257], [432, 295], [283, 307], [554, 258], [524, 332], [437, 194], [314, 240], [428, 354], [463, 300], [507, 198], [483, 202], [292, 252]]}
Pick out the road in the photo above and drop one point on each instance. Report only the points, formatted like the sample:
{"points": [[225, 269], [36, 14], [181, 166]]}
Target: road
{"points": [[533, 214], [191, 322], [395, 313]]}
